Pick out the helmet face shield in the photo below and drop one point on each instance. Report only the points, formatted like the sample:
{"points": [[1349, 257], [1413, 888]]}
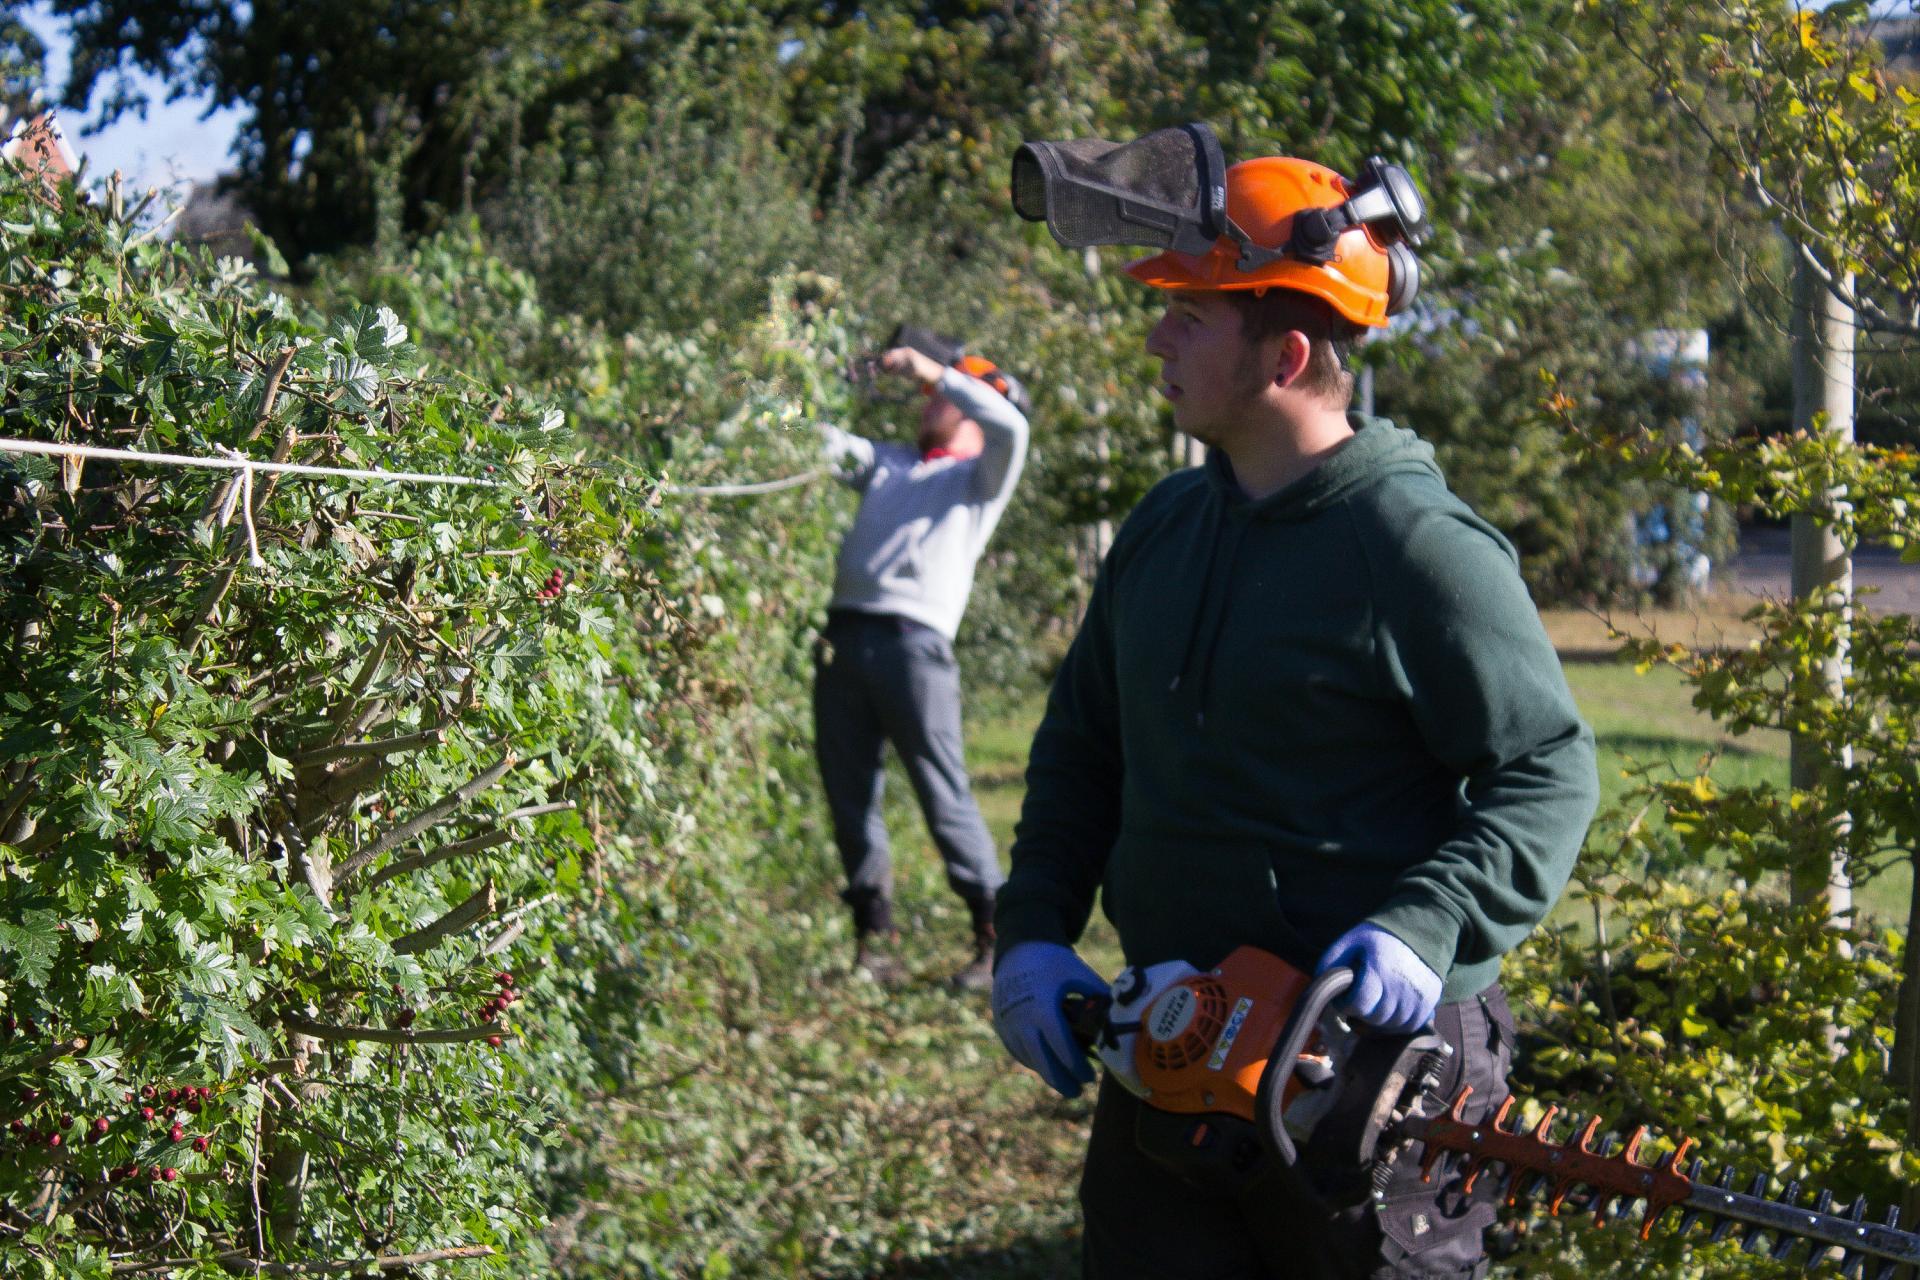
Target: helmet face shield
{"points": [[1273, 221], [1166, 190]]}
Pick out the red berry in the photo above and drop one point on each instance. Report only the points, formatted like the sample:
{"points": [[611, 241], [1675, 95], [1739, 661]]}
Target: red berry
{"points": [[168, 1112], [201, 1143], [66, 1119], [403, 1019], [173, 1095], [148, 1092], [495, 1041], [146, 1113], [193, 1105], [504, 978], [168, 1175], [176, 1134], [101, 1125], [18, 1126], [127, 1096], [29, 1096], [53, 1140]]}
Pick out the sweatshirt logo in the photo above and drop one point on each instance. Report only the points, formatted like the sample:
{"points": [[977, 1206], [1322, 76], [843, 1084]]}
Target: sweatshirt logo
{"points": [[1235, 1021]]}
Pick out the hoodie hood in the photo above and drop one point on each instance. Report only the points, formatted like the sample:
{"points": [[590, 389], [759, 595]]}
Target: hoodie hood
{"points": [[1377, 449]]}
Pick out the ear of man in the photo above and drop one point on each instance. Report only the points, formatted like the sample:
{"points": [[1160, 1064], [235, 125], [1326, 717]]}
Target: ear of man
{"points": [[1301, 320]]}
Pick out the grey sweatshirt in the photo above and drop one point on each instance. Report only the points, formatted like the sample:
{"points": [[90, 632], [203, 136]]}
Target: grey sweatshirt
{"points": [[923, 524]]}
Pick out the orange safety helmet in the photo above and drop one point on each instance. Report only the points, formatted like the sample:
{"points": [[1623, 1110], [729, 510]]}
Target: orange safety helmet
{"points": [[1359, 275], [990, 373]]}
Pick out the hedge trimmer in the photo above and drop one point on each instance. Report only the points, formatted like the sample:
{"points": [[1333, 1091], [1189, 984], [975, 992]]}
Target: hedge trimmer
{"points": [[1254, 1062]]}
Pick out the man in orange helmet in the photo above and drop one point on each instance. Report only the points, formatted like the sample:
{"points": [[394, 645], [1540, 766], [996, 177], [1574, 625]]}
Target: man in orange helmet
{"points": [[1310, 709], [885, 666]]}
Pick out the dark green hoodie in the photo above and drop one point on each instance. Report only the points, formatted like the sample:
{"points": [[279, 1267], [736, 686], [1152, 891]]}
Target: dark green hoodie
{"points": [[1286, 716]]}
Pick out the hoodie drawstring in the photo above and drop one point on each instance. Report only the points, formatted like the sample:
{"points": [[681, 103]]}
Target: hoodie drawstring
{"points": [[1193, 646], [1239, 536], [1200, 609]]}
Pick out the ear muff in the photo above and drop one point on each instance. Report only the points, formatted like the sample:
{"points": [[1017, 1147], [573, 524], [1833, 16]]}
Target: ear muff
{"points": [[1389, 205], [1403, 277]]}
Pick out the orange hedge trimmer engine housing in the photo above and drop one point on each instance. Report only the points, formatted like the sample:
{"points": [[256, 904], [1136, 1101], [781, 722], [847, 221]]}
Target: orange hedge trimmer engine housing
{"points": [[1247, 1060], [1206, 1041]]}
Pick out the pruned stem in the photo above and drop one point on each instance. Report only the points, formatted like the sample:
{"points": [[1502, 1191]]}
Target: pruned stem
{"points": [[421, 861], [240, 1264], [392, 1035], [384, 747], [535, 810], [364, 677], [47, 1057], [475, 909], [427, 819]]}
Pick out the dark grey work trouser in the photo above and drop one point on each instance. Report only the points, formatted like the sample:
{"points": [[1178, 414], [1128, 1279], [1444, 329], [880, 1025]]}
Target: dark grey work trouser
{"points": [[878, 679], [1145, 1221]]}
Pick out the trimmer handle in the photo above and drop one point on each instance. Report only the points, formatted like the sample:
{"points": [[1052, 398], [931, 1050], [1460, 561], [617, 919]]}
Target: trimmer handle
{"points": [[1271, 1098], [1086, 1016]]}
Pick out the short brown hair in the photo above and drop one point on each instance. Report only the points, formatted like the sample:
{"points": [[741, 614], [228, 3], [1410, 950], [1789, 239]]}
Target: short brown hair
{"points": [[1268, 313]]}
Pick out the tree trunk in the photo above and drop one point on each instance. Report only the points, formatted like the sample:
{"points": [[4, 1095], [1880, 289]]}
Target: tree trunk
{"points": [[1823, 392]]}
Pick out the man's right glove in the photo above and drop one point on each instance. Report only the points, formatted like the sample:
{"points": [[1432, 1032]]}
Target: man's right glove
{"points": [[1393, 989], [1028, 985]]}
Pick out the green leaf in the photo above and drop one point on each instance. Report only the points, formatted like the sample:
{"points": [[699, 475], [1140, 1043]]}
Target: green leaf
{"points": [[33, 941]]}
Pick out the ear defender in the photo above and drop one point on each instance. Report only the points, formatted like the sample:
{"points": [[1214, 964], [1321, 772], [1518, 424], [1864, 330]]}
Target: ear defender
{"points": [[1403, 277]]}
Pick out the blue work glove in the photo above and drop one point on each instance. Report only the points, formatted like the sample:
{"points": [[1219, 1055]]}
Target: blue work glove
{"points": [[1028, 985], [1393, 989]]}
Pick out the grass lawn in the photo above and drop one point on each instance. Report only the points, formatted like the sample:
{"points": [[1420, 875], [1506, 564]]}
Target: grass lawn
{"points": [[828, 1128]]}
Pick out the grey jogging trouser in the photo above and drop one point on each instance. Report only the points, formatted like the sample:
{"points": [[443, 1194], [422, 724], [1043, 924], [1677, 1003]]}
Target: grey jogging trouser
{"points": [[880, 678]]}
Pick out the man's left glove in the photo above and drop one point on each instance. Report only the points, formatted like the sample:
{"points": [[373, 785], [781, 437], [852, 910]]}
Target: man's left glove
{"points": [[1393, 989], [1028, 985]]}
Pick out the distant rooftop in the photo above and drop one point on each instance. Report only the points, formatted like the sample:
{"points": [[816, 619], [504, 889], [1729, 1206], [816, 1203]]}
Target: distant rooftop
{"points": [[37, 144]]}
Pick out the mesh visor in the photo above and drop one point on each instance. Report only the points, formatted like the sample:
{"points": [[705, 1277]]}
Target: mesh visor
{"points": [[1166, 190]]}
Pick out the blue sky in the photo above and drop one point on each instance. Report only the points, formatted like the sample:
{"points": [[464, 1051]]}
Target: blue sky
{"points": [[172, 144]]}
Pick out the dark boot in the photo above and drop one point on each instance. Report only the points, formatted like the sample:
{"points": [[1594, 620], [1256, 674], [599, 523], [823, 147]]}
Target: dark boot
{"points": [[877, 955], [977, 976], [878, 959]]}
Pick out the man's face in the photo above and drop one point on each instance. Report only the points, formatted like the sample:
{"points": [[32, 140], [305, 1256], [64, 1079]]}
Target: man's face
{"points": [[940, 420], [1208, 369]]}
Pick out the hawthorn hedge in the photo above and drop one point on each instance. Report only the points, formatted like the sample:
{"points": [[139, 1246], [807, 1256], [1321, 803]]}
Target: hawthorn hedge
{"points": [[328, 874]]}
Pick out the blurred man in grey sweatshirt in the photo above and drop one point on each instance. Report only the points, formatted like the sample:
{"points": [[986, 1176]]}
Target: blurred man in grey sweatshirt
{"points": [[884, 669]]}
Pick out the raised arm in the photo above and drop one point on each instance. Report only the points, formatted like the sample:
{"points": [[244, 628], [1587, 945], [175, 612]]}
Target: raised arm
{"points": [[1004, 428]]}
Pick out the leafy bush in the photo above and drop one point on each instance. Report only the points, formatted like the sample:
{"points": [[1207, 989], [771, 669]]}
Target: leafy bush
{"points": [[326, 875]]}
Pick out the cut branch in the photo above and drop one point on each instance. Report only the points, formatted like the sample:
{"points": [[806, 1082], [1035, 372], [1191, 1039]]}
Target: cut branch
{"points": [[47, 1057], [421, 861], [427, 819], [535, 810], [471, 912], [364, 677], [505, 938], [384, 747], [392, 1035], [242, 1264]]}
